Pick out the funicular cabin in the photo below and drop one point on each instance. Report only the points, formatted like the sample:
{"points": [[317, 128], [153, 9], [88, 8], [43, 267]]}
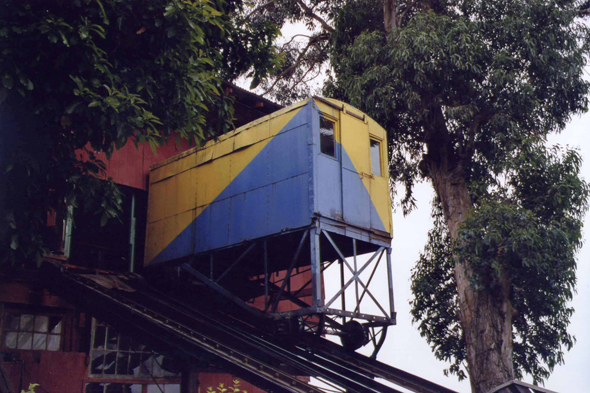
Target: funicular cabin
{"points": [[259, 214]]}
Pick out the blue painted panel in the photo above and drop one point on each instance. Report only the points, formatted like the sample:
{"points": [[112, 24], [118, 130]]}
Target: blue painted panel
{"points": [[289, 143], [202, 233], [220, 221], [376, 222], [182, 246], [288, 155], [329, 190], [288, 204], [248, 215], [347, 162], [357, 201]]}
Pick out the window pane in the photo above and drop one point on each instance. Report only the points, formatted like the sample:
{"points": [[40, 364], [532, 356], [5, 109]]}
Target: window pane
{"points": [[25, 340], [156, 389], [327, 144], [94, 387], [376, 157], [136, 388], [100, 333], [41, 322], [112, 339], [118, 388], [109, 363], [53, 342], [10, 339], [26, 323], [134, 364], [122, 363], [55, 324], [97, 364], [172, 388], [146, 365], [11, 322], [125, 344], [39, 341]]}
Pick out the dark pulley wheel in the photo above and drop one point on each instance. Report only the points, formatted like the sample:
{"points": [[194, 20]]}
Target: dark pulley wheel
{"points": [[353, 336]]}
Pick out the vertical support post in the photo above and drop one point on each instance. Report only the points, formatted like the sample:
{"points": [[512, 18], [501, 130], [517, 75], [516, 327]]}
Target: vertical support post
{"points": [[390, 284], [316, 279], [68, 232], [356, 282], [211, 267], [265, 275], [344, 291], [132, 236]]}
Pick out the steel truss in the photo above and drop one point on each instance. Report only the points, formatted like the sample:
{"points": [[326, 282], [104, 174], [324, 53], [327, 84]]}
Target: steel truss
{"points": [[287, 285]]}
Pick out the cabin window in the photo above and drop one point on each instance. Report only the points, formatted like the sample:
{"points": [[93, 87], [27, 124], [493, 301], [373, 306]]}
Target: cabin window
{"points": [[376, 157], [32, 331], [327, 140]]}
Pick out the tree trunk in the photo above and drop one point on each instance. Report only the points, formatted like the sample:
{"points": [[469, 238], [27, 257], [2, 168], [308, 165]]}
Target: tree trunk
{"points": [[486, 315]]}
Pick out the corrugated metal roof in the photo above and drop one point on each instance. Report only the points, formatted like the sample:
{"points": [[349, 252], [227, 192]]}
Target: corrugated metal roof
{"points": [[515, 386]]}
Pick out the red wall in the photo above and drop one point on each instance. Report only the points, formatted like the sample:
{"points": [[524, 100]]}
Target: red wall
{"points": [[56, 372], [130, 165]]}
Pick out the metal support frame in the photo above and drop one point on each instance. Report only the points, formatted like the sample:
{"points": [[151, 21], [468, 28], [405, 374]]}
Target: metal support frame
{"points": [[320, 316]]}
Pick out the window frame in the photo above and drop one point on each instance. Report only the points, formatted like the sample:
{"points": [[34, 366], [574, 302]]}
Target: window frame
{"points": [[380, 141], [127, 379], [4, 329], [334, 121]]}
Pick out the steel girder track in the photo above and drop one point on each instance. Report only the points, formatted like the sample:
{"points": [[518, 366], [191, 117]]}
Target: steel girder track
{"points": [[243, 349]]}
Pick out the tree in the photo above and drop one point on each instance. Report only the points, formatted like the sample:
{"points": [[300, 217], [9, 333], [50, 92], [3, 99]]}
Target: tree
{"points": [[468, 91], [87, 75]]}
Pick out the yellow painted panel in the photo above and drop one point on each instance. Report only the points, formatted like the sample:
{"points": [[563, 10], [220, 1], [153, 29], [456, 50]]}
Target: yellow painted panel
{"points": [[381, 200], [186, 184], [158, 202], [172, 168], [223, 147], [161, 233], [211, 179], [328, 110], [279, 122], [171, 196], [355, 140], [185, 191], [204, 155], [241, 158], [376, 130], [253, 135]]}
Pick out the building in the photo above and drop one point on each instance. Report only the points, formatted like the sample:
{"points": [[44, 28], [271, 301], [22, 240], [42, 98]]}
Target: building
{"points": [[45, 339]]}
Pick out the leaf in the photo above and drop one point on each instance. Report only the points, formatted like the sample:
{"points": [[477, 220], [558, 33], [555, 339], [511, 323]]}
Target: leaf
{"points": [[70, 108], [104, 219], [14, 242], [7, 81], [153, 147], [105, 19]]}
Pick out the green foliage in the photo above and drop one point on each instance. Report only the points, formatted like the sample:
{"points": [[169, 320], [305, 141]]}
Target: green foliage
{"points": [[31, 389], [468, 91], [222, 389], [511, 68], [85, 76], [531, 230]]}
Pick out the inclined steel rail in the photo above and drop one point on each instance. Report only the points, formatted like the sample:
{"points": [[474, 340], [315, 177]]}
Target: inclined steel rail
{"points": [[252, 354]]}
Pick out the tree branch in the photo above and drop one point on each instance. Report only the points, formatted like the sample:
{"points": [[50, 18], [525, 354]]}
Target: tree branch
{"points": [[310, 12], [312, 41], [259, 8]]}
